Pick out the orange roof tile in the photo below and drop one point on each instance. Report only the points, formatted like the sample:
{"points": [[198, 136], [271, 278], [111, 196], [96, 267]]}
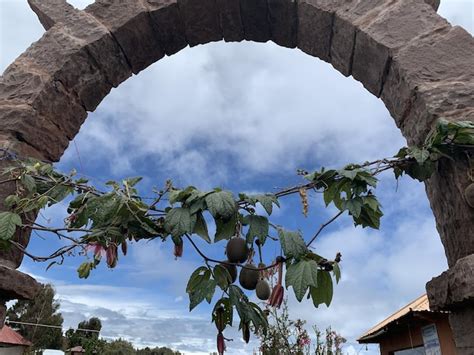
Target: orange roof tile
{"points": [[9, 336], [421, 304]]}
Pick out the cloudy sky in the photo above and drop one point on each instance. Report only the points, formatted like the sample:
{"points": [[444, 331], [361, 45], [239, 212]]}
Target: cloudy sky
{"points": [[245, 117]]}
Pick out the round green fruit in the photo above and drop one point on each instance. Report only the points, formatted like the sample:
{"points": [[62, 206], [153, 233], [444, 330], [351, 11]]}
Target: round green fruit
{"points": [[237, 250], [263, 290], [249, 276]]}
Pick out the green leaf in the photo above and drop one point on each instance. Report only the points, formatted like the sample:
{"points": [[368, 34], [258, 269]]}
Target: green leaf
{"points": [[196, 278], [210, 290], [204, 291], [350, 174], [314, 257], [8, 223], [11, 201], [323, 292], [330, 193], [372, 202], [336, 271], [236, 295], [179, 221], [200, 228], [366, 177], [180, 195], [82, 181], [59, 193], [102, 209], [221, 204], [42, 202], [131, 182], [354, 206], [225, 229], [258, 228], [266, 201], [292, 243], [225, 303], [420, 155], [248, 311], [29, 183], [397, 172], [402, 153], [200, 286], [368, 217], [301, 276], [78, 201], [420, 172], [222, 276], [196, 201]]}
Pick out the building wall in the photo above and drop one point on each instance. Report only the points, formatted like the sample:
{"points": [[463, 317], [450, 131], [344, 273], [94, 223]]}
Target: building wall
{"points": [[17, 350], [409, 335], [446, 338]]}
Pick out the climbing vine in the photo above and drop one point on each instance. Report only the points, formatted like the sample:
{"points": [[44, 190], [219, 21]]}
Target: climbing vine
{"points": [[101, 224]]}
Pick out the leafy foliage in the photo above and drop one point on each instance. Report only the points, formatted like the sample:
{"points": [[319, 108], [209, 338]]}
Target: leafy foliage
{"points": [[103, 223], [86, 335], [43, 309]]}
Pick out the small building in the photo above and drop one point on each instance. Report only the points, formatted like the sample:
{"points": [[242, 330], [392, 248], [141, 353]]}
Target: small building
{"points": [[77, 350], [12, 343], [52, 352], [413, 330]]}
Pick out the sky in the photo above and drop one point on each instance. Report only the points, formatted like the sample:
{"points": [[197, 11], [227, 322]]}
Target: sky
{"points": [[243, 117]]}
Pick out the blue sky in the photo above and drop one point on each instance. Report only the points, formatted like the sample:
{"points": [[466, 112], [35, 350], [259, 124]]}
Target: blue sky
{"points": [[244, 117]]}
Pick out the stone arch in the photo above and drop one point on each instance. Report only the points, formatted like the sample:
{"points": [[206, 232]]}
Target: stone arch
{"points": [[400, 50]]}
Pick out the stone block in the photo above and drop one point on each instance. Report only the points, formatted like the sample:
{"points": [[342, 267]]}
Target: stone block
{"points": [[370, 62], [430, 77], [453, 288], [27, 126], [462, 324], [201, 21], [93, 35], [231, 20], [448, 100], [342, 45], [399, 23], [50, 12], [25, 83], [131, 25], [61, 57], [255, 20], [282, 15], [315, 29], [169, 26], [17, 285]]}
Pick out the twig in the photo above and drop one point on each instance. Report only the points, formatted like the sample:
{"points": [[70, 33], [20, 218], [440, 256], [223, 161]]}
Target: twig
{"points": [[324, 225]]}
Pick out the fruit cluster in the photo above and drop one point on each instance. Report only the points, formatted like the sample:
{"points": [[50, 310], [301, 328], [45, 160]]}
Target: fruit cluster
{"points": [[251, 277]]}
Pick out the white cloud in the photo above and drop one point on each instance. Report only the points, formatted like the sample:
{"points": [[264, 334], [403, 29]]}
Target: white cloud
{"points": [[207, 119]]}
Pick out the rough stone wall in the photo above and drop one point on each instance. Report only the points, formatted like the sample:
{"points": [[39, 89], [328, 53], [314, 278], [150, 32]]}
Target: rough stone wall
{"points": [[400, 50]]}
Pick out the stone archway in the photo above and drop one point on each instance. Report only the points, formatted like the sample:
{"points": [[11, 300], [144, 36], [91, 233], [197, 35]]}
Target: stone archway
{"points": [[401, 50]]}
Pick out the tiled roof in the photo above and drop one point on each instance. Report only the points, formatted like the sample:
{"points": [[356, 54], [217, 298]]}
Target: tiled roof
{"points": [[421, 304], [9, 336]]}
